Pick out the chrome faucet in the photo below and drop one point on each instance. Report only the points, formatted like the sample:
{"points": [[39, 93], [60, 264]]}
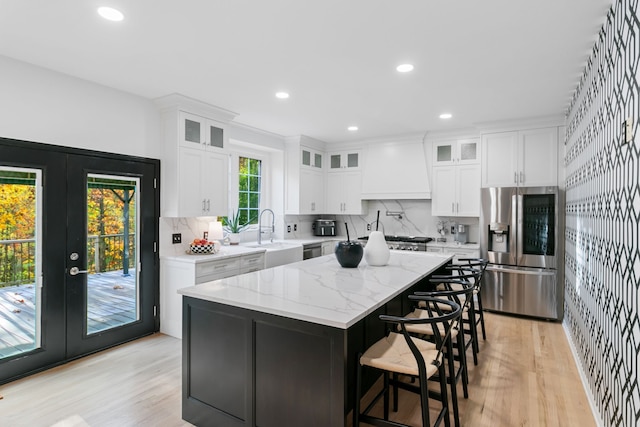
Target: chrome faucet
{"points": [[273, 225]]}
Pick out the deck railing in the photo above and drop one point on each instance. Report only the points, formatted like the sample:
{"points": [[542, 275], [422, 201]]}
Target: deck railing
{"points": [[104, 253], [17, 262]]}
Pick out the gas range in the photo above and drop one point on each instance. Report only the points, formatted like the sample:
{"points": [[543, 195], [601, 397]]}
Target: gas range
{"points": [[405, 243]]}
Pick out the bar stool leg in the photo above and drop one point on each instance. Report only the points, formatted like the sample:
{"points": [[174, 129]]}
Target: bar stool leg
{"points": [[356, 406], [481, 312]]}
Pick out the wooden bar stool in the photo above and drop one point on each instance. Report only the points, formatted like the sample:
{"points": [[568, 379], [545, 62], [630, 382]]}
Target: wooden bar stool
{"points": [[476, 264], [462, 297], [401, 354], [466, 279]]}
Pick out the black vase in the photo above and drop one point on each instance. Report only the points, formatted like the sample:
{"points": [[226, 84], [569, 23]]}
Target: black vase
{"points": [[349, 254]]}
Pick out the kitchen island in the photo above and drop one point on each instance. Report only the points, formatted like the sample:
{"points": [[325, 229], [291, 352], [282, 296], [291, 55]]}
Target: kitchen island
{"points": [[278, 347]]}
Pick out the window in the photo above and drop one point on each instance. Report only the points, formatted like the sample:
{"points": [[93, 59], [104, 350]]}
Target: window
{"points": [[249, 187]]}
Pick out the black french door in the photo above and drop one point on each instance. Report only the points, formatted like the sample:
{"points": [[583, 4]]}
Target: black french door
{"points": [[90, 254]]}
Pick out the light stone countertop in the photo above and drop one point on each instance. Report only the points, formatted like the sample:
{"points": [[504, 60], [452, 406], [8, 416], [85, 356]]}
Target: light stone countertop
{"points": [[224, 252], [319, 290], [230, 251]]}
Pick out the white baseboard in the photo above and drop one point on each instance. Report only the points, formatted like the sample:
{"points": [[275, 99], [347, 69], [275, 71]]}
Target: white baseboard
{"points": [[585, 383]]}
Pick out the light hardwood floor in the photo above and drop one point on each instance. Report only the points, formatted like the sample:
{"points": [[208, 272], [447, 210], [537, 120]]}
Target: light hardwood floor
{"points": [[526, 376]]}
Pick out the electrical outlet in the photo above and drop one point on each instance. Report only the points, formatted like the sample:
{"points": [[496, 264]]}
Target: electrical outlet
{"points": [[627, 131], [295, 227], [176, 238], [368, 227], [205, 235], [288, 229]]}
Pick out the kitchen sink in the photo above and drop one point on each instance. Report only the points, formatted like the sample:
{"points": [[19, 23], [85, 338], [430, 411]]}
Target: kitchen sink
{"points": [[279, 253]]}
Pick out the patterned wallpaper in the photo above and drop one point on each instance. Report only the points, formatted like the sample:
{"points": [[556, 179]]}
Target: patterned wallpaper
{"points": [[602, 258]]}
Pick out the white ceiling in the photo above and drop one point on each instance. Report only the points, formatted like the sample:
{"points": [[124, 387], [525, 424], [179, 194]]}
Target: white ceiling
{"points": [[482, 61]]}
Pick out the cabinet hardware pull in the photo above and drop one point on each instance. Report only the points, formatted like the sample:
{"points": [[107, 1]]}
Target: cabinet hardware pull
{"points": [[203, 205], [515, 177], [453, 209], [521, 177]]}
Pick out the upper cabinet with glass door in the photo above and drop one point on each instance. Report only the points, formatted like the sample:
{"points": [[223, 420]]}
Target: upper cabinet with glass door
{"points": [[201, 132], [311, 158], [455, 152], [344, 160]]}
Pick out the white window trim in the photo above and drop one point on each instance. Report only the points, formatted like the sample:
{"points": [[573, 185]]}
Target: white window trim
{"points": [[234, 172]]}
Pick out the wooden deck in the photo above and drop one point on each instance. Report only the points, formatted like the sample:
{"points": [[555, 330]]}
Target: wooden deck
{"points": [[111, 302]]}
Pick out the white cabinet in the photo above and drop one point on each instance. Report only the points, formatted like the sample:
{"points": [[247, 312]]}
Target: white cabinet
{"points": [[311, 158], [525, 158], [456, 190], [456, 178], [195, 164], [311, 192], [462, 151], [178, 273], [329, 247], [344, 160], [197, 131], [252, 262], [458, 251], [344, 194], [201, 184], [304, 179]]}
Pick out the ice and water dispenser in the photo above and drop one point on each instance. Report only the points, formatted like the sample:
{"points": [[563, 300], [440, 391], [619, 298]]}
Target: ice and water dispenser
{"points": [[498, 237]]}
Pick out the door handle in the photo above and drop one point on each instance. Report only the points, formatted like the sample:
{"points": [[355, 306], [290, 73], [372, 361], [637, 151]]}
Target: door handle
{"points": [[74, 271]]}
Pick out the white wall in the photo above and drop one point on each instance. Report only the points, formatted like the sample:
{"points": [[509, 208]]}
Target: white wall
{"points": [[44, 106]]}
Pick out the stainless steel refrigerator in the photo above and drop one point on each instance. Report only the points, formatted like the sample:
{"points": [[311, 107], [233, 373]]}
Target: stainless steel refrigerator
{"points": [[520, 230]]}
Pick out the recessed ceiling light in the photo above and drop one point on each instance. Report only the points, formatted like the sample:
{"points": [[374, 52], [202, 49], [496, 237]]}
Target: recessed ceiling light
{"points": [[404, 68], [110, 13], [445, 116], [282, 95], [352, 128]]}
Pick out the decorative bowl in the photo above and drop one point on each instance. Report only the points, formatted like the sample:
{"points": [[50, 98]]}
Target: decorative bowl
{"points": [[209, 248]]}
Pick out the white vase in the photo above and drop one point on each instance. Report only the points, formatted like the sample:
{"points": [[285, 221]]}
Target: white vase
{"points": [[376, 252], [234, 238]]}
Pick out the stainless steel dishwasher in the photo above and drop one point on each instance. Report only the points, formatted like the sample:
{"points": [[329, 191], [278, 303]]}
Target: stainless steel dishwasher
{"points": [[311, 250]]}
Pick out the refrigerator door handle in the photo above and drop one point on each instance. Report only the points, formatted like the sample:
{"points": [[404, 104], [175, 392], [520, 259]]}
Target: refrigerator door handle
{"points": [[519, 219]]}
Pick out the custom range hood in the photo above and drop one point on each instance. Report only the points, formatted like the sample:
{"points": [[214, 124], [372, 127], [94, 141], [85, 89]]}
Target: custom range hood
{"points": [[395, 170]]}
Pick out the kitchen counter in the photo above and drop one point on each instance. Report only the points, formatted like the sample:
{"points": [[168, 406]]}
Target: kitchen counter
{"points": [[319, 290], [453, 245], [279, 347], [225, 252]]}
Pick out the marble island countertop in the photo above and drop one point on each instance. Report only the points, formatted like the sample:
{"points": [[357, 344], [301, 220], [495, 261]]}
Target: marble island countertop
{"points": [[319, 290]]}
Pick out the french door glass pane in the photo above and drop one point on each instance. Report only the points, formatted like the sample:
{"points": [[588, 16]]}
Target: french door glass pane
{"points": [[20, 260], [112, 252]]}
